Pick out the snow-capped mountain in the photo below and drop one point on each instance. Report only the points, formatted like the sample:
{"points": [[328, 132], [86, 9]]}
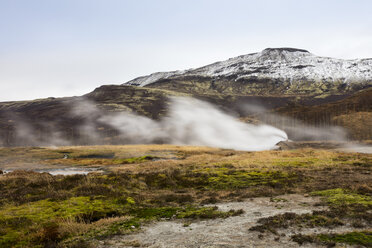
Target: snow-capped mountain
{"points": [[278, 64]]}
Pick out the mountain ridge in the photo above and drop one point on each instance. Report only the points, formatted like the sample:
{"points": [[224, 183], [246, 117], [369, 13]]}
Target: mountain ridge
{"points": [[293, 69], [320, 104]]}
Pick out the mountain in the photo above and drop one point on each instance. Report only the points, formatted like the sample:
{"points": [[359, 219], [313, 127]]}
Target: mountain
{"points": [[272, 71], [289, 88]]}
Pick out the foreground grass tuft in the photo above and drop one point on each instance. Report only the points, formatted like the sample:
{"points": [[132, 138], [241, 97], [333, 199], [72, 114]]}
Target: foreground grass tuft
{"points": [[351, 238], [342, 197]]}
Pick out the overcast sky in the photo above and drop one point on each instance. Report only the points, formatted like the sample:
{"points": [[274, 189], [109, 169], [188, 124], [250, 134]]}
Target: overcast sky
{"points": [[69, 47]]}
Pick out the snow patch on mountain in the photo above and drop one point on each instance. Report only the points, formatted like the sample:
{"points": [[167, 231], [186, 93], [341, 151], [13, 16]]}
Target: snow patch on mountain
{"points": [[286, 64]]}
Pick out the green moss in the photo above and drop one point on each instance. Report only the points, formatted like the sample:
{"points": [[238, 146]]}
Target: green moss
{"points": [[340, 197], [219, 178], [133, 160], [131, 201], [10, 239], [182, 213], [352, 238], [119, 227], [227, 178], [143, 215], [206, 213], [17, 221], [319, 219], [86, 208], [96, 155]]}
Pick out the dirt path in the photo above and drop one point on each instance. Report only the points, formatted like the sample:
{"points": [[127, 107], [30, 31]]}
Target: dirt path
{"points": [[230, 232]]}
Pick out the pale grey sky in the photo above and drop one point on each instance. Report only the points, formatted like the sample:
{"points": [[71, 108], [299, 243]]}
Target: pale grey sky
{"points": [[69, 47]]}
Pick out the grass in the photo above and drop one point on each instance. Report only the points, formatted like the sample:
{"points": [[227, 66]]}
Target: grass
{"points": [[156, 182], [134, 160], [341, 198], [19, 224], [351, 238], [286, 220], [228, 177]]}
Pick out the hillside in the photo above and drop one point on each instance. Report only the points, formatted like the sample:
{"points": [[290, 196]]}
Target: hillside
{"points": [[352, 113], [272, 71], [286, 87]]}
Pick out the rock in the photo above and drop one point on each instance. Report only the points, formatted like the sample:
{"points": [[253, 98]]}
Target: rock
{"points": [[286, 145]]}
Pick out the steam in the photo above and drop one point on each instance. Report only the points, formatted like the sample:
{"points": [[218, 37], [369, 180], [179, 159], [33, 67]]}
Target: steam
{"points": [[189, 122], [296, 129], [26, 134], [193, 122]]}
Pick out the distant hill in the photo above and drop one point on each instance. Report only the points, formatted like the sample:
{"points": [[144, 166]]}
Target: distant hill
{"points": [[273, 71], [286, 82]]}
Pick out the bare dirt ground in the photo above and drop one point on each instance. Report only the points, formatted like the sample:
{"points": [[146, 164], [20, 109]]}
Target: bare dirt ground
{"points": [[229, 232]]}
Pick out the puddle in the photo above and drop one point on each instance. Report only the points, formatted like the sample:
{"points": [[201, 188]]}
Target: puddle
{"points": [[63, 171]]}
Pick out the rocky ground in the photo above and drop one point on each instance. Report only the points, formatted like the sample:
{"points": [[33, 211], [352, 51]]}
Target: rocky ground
{"points": [[233, 231]]}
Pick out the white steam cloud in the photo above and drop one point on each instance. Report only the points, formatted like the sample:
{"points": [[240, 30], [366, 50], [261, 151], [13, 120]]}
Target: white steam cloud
{"points": [[189, 122], [193, 122]]}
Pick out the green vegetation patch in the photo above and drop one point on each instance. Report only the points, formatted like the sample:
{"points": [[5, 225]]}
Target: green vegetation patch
{"points": [[23, 224], [34, 222], [119, 227], [141, 215], [352, 238], [317, 219], [227, 177], [101, 159], [342, 197], [134, 160], [363, 238], [218, 178], [79, 208], [97, 155], [191, 212]]}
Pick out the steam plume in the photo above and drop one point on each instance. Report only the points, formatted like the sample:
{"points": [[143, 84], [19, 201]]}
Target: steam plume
{"points": [[188, 122], [193, 122]]}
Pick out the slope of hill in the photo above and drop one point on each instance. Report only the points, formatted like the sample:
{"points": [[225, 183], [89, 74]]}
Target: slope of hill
{"points": [[353, 113], [288, 82], [272, 71]]}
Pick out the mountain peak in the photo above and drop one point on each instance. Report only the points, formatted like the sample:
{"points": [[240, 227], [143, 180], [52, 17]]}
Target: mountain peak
{"points": [[286, 49], [279, 64], [282, 54]]}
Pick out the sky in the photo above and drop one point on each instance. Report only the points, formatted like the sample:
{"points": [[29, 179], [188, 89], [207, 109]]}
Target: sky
{"points": [[55, 48]]}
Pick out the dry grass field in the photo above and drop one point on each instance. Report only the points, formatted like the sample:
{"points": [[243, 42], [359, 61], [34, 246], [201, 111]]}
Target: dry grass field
{"points": [[139, 184]]}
